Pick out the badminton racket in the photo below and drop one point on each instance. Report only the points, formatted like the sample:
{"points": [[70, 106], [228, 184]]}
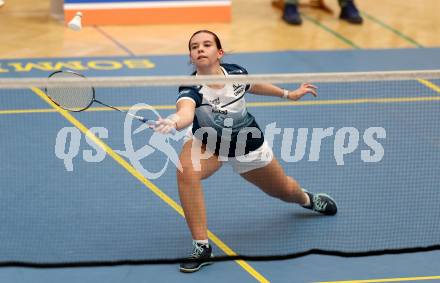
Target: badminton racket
{"points": [[78, 97]]}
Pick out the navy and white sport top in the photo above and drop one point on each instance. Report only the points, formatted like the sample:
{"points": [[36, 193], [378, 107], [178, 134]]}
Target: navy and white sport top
{"points": [[224, 108]]}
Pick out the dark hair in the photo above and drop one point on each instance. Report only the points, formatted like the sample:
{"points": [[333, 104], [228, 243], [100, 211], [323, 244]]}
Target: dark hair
{"points": [[216, 39]]}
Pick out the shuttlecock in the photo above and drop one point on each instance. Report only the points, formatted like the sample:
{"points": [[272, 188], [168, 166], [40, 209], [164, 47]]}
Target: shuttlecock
{"points": [[2, 2], [75, 23]]}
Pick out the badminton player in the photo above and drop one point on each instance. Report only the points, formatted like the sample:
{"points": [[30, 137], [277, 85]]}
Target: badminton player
{"points": [[220, 107]]}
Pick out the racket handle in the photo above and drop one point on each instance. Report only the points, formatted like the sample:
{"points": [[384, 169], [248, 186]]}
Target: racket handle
{"points": [[146, 121], [142, 119], [150, 122]]}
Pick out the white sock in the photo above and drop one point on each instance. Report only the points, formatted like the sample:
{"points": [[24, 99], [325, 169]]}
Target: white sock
{"points": [[307, 203], [201, 242]]}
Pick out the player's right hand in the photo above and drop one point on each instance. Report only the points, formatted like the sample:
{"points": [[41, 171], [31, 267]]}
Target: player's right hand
{"points": [[167, 125]]}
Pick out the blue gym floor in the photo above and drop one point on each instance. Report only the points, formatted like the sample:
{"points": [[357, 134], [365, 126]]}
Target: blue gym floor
{"points": [[41, 201]]}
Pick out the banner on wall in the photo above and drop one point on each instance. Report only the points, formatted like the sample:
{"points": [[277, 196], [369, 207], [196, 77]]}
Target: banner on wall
{"points": [[120, 12]]}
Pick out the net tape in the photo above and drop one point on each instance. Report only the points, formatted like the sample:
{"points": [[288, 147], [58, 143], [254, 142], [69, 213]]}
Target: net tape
{"points": [[192, 80]]}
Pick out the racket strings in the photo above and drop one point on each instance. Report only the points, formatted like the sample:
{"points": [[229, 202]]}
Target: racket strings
{"points": [[72, 98]]}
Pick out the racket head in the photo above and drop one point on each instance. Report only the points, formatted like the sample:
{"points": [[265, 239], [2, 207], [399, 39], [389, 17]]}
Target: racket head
{"points": [[76, 97]]}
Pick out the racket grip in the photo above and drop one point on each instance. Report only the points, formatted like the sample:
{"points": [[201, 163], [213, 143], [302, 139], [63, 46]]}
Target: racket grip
{"points": [[152, 123], [144, 120]]}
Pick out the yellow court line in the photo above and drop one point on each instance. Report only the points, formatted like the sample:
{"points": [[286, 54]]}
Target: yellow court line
{"points": [[387, 280], [430, 85], [26, 111], [242, 263], [259, 104], [145, 181]]}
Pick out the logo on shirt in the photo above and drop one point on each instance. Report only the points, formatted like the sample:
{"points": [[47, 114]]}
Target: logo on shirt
{"points": [[219, 110], [216, 108], [185, 91], [238, 89], [215, 101]]}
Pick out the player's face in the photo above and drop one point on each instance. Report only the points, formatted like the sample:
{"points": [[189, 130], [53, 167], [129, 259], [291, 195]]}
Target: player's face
{"points": [[204, 51]]}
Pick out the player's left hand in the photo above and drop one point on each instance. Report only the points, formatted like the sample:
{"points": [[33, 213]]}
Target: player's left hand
{"points": [[301, 91]]}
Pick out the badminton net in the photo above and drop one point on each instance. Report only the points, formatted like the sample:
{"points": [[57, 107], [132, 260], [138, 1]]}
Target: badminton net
{"points": [[82, 189]]}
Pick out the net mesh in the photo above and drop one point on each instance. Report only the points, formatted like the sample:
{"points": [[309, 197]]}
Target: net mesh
{"points": [[370, 140]]}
